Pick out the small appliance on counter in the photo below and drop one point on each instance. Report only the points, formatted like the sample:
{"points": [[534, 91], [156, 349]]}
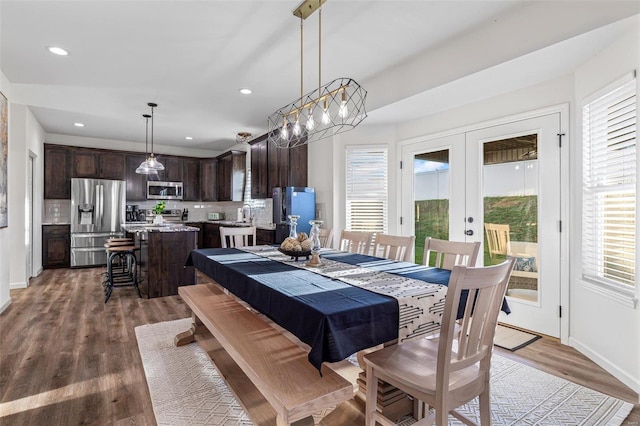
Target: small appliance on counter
{"points": [[293, 200], [133, 213], [215, 216]]}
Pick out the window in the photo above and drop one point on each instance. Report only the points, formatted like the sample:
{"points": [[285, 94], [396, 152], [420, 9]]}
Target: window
{"points": [[367, 189], [609, 186]]}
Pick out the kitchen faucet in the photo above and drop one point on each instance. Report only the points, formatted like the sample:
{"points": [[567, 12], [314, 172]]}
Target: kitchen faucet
{"points": [[250, 212]]}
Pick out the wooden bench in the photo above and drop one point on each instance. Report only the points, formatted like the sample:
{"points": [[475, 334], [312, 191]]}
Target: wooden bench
{"points": [[277, 367]]}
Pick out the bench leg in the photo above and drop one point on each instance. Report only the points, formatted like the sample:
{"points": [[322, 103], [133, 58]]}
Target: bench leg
{"points": [[189, 336]]}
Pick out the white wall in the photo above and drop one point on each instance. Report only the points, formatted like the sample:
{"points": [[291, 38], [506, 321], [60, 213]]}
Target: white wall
{"points": [[5, 246], [27, 136], [604, 326]]}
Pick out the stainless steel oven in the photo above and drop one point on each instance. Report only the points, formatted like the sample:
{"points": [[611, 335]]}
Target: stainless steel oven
{"points": [[164, 190]]}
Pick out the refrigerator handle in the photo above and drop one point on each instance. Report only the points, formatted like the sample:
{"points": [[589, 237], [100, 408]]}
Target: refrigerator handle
{"points": [[98, 206], [101, 206]]}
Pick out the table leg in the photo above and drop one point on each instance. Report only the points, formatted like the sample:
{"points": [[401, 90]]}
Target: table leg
{"points": [[188, 336]]}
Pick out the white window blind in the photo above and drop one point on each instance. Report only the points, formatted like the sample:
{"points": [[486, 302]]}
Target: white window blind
{"points": [[609, 187], [367, 189]]}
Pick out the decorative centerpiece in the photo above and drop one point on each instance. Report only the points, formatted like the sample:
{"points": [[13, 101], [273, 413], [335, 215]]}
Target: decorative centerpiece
{"points": [[157, 210], [315, 244], [296, 245]]}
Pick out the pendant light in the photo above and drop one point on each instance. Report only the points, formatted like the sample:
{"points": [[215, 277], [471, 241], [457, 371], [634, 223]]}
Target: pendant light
{"points": [[152, 162], [328, 110], [143, 169]]}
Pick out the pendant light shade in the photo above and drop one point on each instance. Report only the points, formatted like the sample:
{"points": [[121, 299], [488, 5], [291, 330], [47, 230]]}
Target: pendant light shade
{"points": [[143, 168]]}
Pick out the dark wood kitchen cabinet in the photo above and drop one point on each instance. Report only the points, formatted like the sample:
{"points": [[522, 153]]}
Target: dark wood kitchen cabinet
{"points": [[265, 236], [232, 166], [259, 172], [172, 169], [136, 183], [287, 167], [200, 227], [57, 172], [211, 235], [56, 246], [191, 179], [85, 163], [208, 179], [273, 167], [112, 165]]}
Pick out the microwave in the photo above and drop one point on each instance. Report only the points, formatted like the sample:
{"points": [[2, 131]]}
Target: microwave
{"points": [[164, 190]]}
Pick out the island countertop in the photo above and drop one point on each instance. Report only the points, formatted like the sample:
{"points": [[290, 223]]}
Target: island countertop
{"points": [[164, 227]]}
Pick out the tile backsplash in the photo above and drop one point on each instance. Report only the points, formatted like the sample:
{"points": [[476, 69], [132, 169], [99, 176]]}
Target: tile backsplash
{"points": [[59, 211]]}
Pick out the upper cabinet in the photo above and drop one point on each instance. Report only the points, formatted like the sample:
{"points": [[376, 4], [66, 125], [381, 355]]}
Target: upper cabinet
{"points": [[112, 165], [172, 169], [259, 172], [57, 172], [273, 167], [191, 179], [232, 167], [96, 164], [136, 183], [208, 179]]}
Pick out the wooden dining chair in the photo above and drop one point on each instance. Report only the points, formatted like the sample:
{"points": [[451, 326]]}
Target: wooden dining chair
{"points": [[238, 236], [450, 253], [355, 241], [452, 370], [498, 239], [326, 237], [394, 247]]}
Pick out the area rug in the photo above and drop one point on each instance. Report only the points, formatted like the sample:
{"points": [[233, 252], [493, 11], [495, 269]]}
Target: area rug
{"points": [[512, 339], [186, 389]]}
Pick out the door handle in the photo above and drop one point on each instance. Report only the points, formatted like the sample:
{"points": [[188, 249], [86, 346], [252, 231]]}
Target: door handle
{"points": [[468, 232]]}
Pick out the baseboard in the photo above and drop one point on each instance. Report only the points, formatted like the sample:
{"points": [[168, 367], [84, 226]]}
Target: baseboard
{"points": [[5, 305], [623, 376], [22, 284]]}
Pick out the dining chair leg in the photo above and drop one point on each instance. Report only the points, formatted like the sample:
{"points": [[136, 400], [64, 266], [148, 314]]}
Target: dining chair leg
{"points": [[484, 404], [371, 397]]}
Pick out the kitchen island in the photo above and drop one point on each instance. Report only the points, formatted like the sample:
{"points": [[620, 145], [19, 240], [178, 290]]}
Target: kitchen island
{"points": [[162, 252]]}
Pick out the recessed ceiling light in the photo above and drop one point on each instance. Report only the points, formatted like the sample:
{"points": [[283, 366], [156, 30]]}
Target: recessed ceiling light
{"points": [[245, 91], [78, 124], [57, 50], [188, 138]]}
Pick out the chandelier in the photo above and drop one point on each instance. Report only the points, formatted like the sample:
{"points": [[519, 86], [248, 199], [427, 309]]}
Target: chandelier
{"points": [[328, 110], [151, 165]]}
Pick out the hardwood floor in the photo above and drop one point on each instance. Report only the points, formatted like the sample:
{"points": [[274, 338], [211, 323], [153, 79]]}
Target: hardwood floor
{"points": [[66, 358]]}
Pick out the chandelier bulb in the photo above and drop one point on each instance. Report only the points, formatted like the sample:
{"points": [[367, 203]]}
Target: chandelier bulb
{"points": [[296, 125], [284, 133], [343, 112], [311, 124], [325, 113]]}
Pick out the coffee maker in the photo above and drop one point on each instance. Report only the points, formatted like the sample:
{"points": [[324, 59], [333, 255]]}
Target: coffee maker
{"points": [[133, 213]]}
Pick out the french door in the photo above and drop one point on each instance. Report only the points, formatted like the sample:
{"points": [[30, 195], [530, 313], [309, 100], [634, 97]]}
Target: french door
{"points": [[499, 185]]}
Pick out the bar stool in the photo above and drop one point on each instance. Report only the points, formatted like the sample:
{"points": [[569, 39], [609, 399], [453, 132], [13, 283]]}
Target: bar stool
{"points": [[120, 252]]}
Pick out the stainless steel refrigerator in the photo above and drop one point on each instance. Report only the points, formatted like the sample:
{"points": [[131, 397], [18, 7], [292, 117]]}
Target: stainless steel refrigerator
{"points": [[97, 213]]}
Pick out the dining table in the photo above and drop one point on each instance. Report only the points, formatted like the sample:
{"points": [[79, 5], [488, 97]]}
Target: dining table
{"points": [[351, 303]]}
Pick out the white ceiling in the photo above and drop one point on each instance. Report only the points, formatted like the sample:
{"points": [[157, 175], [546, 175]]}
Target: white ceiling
{"points": [[191, 57]]}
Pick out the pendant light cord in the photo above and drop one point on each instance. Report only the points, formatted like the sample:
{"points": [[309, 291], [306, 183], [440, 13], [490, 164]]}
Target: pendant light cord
{"points": [[319, 49], [301, 56]]}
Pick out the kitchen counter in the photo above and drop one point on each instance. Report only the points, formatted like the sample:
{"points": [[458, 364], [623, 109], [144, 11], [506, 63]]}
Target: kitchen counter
{"points": [[164, 227]]}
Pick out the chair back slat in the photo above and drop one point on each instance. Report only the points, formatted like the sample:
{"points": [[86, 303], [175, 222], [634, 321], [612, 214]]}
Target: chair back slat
{"points": [[326, 237], [394, 247], [498, 238], [237, 237], [355, 241], [451, 253]]}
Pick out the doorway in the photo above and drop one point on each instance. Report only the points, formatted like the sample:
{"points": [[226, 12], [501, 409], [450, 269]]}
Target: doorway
{"points": [[499, 185]]}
